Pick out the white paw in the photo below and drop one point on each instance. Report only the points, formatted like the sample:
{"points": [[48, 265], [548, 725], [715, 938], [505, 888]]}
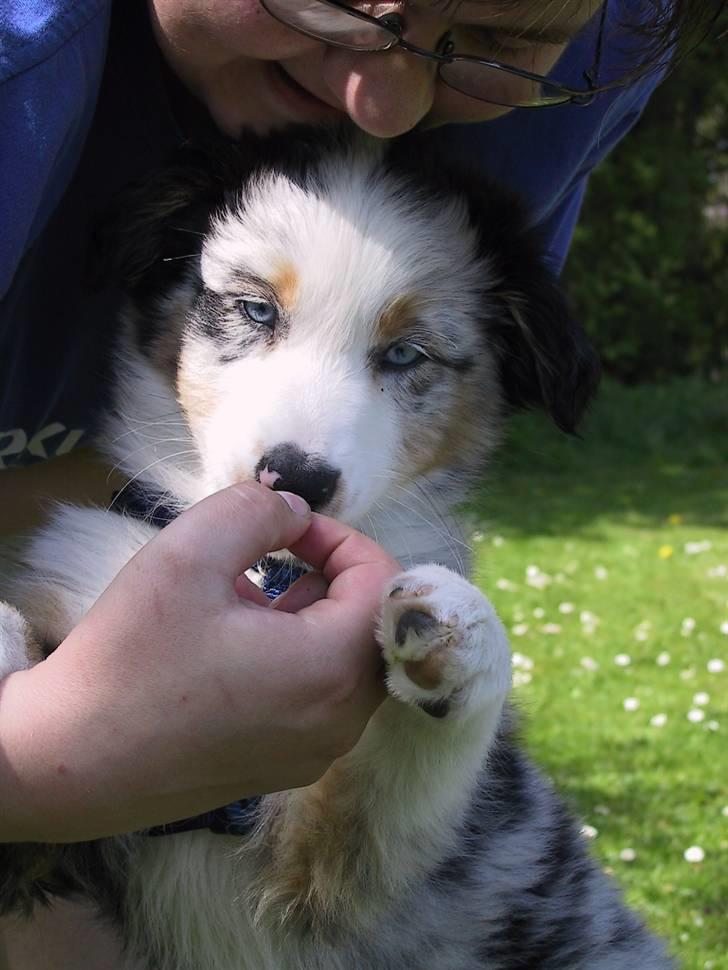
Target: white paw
{"points": [[444, 647]]}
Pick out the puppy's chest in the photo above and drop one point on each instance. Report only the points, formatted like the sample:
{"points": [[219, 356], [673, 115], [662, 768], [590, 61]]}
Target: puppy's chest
{"points": [[191, 906]]}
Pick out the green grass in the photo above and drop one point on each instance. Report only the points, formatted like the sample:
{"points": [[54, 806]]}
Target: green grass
{"points": [[609, 521]]}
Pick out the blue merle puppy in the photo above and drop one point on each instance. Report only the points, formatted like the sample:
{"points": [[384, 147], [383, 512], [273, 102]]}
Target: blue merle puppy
{"points": [[400, 310]]}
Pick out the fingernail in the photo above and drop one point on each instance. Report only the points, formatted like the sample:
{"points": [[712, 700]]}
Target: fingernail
{"points": [[294, 502]]}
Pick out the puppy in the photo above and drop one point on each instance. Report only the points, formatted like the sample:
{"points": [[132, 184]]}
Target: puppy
{"points": [[352, 321]]}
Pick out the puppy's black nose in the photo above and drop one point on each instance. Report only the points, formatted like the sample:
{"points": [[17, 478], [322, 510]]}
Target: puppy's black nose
{"points": [[286, 468]]}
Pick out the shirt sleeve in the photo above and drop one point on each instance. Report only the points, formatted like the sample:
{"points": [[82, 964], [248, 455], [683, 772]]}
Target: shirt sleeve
{"points": [[50, 70], [558, 226]]}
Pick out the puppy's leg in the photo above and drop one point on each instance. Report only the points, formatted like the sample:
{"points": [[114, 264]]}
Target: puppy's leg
{"points": [[388, 812], [67, 565]]}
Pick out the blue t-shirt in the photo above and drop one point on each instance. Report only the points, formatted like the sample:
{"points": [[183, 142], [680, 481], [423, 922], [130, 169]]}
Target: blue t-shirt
{"points": [[85, 107]]}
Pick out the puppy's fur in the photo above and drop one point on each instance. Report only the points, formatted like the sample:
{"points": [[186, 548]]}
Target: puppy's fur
{"points": [[351, 321]]}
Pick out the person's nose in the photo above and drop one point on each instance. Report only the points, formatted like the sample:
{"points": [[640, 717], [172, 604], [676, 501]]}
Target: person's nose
{"points": [[386, 93]]}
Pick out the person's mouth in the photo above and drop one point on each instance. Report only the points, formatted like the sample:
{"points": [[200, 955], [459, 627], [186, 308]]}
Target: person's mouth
{"points": [[305, 105]]}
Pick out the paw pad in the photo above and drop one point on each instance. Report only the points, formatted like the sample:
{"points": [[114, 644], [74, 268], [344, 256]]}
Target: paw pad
{"points": [[399, 592], [444, 649], [416, 623]]}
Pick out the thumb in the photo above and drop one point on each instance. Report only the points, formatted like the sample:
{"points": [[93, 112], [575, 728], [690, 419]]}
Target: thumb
{"points": [[232, 529]]}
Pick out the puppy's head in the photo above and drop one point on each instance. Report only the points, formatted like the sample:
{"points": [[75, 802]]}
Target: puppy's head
{"points": [[342, 322]]}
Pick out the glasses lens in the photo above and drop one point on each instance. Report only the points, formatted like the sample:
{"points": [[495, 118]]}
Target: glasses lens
{"points": [[332, 25], [498, 86]]}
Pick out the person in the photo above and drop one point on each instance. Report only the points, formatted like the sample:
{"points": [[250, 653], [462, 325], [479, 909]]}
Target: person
{"points": [[94, 94]]}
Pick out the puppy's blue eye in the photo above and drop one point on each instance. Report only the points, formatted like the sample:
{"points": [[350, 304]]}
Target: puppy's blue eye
{"points": [[402, 355], [261, 312]]}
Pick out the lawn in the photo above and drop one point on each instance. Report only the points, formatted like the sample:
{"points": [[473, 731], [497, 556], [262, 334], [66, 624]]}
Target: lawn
{"points": [[607, 559]]}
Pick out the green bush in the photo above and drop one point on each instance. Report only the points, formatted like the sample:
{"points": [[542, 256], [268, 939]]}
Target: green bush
{"points": [[648, 270]]}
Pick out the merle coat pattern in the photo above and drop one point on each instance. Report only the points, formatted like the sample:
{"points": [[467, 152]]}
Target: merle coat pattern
{"points": [[402, 310]]}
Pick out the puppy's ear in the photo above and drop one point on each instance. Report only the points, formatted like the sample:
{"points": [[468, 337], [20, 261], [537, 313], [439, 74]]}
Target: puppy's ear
{"points": [[544, 356], [158, 222], [152, 225]]}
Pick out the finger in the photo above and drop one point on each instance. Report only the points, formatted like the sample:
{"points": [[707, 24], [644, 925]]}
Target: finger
{"points": [[333, 548], [358, 571], [247, 590], [234, 528], [310, 588]]}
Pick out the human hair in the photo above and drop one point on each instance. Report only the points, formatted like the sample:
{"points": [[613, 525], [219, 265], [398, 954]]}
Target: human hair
{"points": [[670, 29], [652, 34]]}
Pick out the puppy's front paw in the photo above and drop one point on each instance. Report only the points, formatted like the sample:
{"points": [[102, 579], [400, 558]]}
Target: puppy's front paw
{"points": [[443, 645]]}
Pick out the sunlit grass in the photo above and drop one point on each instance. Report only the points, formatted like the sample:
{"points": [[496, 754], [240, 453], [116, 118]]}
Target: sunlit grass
{"points": [[616, 546]]}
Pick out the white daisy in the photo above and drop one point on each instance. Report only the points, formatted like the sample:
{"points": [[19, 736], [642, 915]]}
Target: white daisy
{"points": [[693, 548]]}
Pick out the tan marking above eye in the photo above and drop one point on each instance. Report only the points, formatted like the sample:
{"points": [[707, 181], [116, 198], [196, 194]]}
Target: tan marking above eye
{"points": [[397, 318], [285, 282], [196, 397]]}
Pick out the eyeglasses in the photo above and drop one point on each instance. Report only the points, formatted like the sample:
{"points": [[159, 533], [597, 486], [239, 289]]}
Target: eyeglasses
{"points": [[334, 23]]}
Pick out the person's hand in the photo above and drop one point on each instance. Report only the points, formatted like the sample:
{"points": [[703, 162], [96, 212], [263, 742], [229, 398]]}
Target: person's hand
{"points": [[182, 689]]}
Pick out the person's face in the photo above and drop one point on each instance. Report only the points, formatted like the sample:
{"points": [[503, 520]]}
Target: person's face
{"points": [[252, 71]]}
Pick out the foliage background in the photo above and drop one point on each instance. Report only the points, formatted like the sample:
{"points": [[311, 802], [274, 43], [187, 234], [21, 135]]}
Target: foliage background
{"points": [[626, 527], [648, 269]]}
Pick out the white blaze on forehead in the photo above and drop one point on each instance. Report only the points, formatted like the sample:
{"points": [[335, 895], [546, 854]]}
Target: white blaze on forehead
{"points": [[324, 404], [356, 244]]}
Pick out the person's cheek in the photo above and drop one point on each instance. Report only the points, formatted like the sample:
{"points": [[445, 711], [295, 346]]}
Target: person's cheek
{"points": [[452, 107], [542, 60]]}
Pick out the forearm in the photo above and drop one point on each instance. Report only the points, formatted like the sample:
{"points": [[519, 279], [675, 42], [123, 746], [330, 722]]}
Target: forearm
{"points": [[60, 782], [79, 761]]}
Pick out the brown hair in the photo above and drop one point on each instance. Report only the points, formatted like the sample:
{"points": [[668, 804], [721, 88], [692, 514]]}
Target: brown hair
{"points": [[660, 32]]}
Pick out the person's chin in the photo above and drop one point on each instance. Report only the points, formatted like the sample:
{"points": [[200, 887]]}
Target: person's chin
{"points": [[277, 102]]}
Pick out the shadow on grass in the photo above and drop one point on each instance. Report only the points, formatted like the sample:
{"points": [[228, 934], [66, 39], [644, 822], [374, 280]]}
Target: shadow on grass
{"points": [[646, 811], [646, 453]]}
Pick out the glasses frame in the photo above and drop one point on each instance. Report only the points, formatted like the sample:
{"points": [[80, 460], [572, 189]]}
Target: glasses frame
{"points": [[393, 24]]}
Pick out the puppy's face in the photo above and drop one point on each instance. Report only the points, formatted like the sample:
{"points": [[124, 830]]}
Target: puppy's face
{"points": [[350, 326], [334, 346]]}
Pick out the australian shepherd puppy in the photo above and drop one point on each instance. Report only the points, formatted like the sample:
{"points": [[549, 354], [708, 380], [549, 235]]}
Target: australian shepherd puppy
{"points": [[350, 320]]}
